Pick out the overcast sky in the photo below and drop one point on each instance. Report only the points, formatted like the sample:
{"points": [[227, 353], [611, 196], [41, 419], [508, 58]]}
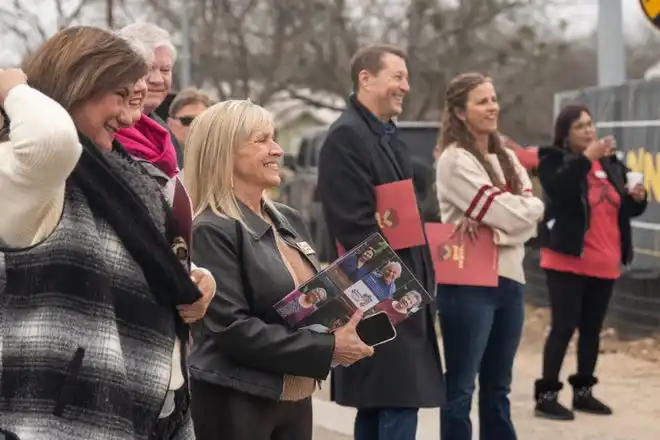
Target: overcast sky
{"points": [[581, 15]]}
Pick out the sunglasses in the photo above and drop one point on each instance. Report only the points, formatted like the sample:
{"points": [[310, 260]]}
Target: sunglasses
{"points": [[185, 120]]}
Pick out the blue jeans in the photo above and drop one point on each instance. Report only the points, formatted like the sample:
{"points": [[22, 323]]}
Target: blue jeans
{"points": [[481, 329], [386, 424]]}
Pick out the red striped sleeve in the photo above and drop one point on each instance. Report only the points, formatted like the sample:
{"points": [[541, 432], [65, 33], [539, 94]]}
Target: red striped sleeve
{"points": [[477, 198]]}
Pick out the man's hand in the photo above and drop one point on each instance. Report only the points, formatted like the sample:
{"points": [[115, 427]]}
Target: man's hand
{"points": [[206, 284]]}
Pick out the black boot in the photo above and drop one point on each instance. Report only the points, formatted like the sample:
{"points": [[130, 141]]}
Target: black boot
{"points": [[583, 398], [547, 406]]}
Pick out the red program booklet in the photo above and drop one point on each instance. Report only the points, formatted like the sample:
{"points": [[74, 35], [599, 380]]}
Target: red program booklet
{"points": [[183, 215], [398, 216], [463, 262]]}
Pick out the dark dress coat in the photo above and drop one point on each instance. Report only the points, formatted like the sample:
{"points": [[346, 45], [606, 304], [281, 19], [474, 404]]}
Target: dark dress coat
{"points": [[360, 153]]}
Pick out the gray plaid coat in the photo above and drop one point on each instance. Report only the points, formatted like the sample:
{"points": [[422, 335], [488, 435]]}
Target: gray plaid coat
{"points": [[85, 349]]}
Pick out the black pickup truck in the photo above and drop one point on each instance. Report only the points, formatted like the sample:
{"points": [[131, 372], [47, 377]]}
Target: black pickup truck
{"points": [[299, 190]]}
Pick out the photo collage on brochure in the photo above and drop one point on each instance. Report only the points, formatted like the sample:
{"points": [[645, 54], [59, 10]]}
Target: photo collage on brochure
{"points": [[370, 277]]}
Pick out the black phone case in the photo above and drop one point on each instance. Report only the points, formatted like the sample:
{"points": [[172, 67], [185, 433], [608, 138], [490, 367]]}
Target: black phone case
{"points": [[376, 329]]}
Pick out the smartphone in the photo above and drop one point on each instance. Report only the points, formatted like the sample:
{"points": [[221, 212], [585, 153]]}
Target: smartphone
{"points": [[376, 329]]}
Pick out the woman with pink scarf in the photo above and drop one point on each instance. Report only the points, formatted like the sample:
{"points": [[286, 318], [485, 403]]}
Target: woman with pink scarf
{"points": [[151, 147], [145, 139], [149, 141]]}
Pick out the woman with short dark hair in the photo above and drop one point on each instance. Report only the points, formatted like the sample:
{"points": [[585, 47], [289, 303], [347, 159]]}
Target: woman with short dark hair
{"points": [[585, 238]]}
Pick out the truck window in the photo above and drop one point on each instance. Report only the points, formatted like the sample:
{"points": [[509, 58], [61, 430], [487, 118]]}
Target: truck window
{"points": [[420, 141], [316, 151], [303, 152]]}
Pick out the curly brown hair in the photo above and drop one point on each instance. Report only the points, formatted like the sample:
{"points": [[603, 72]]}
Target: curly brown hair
{"points": [[455, 131]]}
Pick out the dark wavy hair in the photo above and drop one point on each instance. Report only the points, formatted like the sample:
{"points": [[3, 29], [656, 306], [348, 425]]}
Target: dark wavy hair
{"points": [[455, 131], [565, 119]]}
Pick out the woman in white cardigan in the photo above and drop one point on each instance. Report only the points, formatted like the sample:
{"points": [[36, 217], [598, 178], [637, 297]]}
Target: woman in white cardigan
{"points": [[37, 159], [479, 182]]}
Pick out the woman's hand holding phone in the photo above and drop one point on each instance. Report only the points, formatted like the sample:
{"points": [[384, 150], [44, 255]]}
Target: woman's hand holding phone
{"points": [[349, 348]]}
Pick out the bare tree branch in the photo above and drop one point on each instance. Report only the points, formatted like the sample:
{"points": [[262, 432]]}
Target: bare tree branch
{"points": [[295, 94], [64, 19], [260, 48]]}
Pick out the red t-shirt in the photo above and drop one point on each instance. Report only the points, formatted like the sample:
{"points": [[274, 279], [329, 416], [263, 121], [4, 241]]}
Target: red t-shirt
{"points": [[601, 257]]}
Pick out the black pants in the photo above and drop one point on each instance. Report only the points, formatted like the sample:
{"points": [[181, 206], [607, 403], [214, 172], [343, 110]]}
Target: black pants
{"points": [[221, 413], [576, 302], [167, 428]]}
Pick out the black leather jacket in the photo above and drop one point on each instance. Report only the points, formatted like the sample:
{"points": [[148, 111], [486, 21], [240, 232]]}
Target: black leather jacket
{"points": [[242, 343]]}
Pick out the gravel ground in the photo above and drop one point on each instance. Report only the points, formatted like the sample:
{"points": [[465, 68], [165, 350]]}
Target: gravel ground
{"points": [[324, 434], [630, 382]]}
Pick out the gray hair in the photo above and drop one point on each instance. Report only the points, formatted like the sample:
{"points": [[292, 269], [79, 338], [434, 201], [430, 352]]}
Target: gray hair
{"points": [[415, 296], [140, 47], [148, 35], [395, 266]]}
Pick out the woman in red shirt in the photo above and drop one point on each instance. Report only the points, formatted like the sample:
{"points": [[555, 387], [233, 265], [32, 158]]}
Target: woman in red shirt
{"points": [[586, 237]]}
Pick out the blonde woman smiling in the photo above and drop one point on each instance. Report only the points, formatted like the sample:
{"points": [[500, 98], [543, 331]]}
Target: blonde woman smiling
{"points": [[252, 375]]}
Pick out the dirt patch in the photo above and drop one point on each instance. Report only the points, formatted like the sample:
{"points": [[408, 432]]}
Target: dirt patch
{"points": [[537, 327]]}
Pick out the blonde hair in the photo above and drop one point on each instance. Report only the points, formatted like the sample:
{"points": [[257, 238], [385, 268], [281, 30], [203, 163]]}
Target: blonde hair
{"points": [[214, 137]]}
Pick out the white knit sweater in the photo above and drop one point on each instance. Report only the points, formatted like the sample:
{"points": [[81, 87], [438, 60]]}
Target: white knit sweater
{"points": [[464, 188], [42, 152], [34, 164]]}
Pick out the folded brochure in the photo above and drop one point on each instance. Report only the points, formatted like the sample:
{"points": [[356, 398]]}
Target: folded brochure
{"points": [[370, 277]]}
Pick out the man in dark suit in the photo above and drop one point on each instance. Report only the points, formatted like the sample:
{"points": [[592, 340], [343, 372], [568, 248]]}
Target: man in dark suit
{"points": [[362, 151]]}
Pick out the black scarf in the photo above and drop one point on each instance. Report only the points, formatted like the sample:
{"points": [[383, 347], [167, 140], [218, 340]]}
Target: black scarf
{"points": [[113, 199]]}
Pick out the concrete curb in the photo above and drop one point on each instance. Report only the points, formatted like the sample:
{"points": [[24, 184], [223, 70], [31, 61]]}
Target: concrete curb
{"points": [[339, 419]]}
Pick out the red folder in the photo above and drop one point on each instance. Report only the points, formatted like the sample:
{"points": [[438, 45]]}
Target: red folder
{"points": [[462, 262], [528, 156], [397, 214], [183, 215]]}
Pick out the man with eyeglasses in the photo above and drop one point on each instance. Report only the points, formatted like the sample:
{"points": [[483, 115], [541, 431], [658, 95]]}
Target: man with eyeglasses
{"points": [[187, 104]]}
